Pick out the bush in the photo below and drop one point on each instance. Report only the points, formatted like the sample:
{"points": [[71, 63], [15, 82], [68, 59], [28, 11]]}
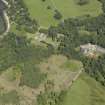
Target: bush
{"points": [[82, 2], [57, 15]]}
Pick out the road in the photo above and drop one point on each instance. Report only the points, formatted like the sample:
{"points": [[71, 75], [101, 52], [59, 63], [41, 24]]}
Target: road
{"points": [[4, 1], [70, 82], [6, 18]]}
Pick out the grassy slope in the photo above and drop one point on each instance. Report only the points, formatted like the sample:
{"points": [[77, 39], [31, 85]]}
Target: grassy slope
{"points": [[10, 97], [68, 8], [85, 91], [72, 65], [39, 11]]}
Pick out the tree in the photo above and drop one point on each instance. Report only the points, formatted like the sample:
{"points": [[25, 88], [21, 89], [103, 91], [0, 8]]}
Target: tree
{"points": [[57, 15], [52, 32], [82, 2]]}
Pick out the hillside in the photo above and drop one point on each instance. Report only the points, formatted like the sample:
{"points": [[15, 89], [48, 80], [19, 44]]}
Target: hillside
{"points": [[85, 91], [45, 17], [53, 52]]}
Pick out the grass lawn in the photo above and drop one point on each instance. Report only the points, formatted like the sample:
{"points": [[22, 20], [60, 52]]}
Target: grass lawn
{"points": [[73, 65], [39, 11], [60, 62], [85, 91], [14, 30], [68, 8], [9, 98]]}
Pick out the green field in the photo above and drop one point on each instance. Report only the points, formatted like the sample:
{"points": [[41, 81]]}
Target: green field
{"points": [[68, 8], [73, 65], [9, 98], [85, 91]]}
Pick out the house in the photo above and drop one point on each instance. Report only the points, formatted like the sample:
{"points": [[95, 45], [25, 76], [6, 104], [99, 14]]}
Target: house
{"points": [[91, 49], [40, 37], [88, 48]]}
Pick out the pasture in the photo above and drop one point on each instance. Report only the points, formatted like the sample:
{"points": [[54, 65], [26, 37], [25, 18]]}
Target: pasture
{"points": [[85, 91], [72, 65], [10, 98], [68, 8], [60, 70]]}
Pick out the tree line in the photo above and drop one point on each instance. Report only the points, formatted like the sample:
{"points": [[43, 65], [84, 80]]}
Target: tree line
{"points": [[72, 39]]}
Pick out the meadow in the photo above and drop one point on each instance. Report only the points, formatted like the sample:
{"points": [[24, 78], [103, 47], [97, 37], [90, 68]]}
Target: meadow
{"points": [[85, 91], [68, 8], [35, 65], [9, 98]]}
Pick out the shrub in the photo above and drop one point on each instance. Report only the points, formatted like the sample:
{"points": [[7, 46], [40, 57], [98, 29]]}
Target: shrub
{"points": [[57, 15]]}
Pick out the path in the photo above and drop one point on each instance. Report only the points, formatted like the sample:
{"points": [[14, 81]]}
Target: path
{"points": [[70, 82], [4, 1], [6, 18]]}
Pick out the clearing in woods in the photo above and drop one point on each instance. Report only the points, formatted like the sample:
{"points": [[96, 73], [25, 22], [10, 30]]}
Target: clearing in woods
{"points": [[10, 79], [68, 8]]}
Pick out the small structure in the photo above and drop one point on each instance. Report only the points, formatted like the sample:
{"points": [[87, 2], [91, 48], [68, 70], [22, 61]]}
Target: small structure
{"points": [[40, 37], [91, 49], [88, 48]]}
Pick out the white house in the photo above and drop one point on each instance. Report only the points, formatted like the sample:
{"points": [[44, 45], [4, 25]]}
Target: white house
{"points": [[88, 49]]}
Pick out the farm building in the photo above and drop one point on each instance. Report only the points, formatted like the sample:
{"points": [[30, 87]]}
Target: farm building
{"points": [[90, 49]]}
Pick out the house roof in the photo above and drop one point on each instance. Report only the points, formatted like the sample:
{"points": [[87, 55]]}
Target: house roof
{"points": [[87, 46]]}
